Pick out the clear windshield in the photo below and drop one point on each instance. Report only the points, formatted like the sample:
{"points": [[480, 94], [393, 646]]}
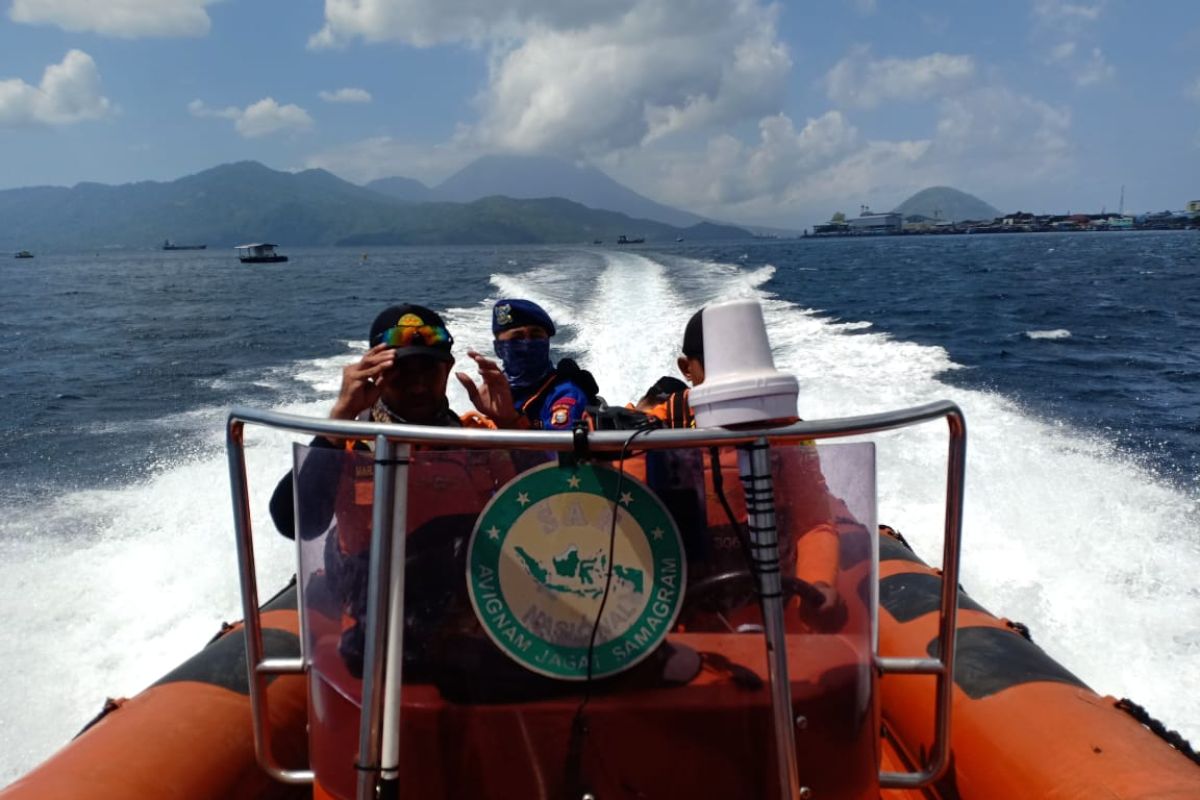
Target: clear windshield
{"points": [[552, 646]]}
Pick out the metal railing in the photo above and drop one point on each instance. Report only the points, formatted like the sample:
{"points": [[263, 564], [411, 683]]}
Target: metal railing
{"points": [[392, 440]]}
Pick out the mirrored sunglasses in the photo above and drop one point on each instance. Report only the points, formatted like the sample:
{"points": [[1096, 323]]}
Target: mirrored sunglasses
{"points": [[416, 335]]}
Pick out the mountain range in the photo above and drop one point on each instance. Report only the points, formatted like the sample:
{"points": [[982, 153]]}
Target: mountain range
{"points": [[524, 176], [246, 201]]}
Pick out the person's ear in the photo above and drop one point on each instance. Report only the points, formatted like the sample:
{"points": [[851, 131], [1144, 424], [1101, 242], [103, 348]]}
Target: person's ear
{"points": [[685, 368]]}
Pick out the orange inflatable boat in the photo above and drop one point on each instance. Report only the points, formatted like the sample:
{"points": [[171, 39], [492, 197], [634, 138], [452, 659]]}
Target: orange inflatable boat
{"points": [[583, 631]]}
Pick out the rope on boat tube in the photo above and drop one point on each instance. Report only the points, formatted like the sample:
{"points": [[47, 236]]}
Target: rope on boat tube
{"points": [[1020, 628], [889, 531], [1173, 738]]}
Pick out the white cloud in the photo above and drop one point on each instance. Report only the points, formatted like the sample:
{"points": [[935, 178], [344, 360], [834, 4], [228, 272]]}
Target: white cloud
{"points": [[1005, 135], [346, 95], [1056, 19], [122, 18], [1084, 71], [769, 169], [387, 157], [860, 82], [424, 23], [1060, 12], [650, 90], [987, 137], [1062, 51], [68, 93], [258, 119], [587, 78], [1193, 90], [1094, 70]]}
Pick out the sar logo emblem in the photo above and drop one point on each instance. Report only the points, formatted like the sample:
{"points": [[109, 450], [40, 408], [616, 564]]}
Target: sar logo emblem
{"points": [[540, 560]]}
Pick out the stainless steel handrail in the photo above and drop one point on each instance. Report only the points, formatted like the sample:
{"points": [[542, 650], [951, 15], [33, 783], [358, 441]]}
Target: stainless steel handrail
{"points": [[943, 666], [612, 441], [257, 665], [604, 441]]}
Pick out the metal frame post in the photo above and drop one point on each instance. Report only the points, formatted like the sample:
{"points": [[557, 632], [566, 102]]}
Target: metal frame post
{"points": [[754, 467], [379, 582]]}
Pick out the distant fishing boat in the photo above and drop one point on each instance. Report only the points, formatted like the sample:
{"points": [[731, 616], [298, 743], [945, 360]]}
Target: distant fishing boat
{"points": [[169, 245], [23, 254], [259, 254], [623, 239]]}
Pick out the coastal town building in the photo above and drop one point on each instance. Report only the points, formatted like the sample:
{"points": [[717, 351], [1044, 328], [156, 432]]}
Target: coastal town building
{"points": [[869, 223], [893, 223]]}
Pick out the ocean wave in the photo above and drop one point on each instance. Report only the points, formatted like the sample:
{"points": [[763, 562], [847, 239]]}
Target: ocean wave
{"points": [[1057, 333]]}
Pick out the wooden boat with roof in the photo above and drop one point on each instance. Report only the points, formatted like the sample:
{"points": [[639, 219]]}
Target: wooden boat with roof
{"points": [[259, 254]]}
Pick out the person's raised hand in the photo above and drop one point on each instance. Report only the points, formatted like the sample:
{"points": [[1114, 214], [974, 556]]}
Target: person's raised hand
{"points": [[362, 382], [493, 396]]}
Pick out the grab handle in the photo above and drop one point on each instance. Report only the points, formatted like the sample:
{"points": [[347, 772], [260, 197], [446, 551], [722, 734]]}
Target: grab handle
{"points": [[943, 666], [258, 666]]}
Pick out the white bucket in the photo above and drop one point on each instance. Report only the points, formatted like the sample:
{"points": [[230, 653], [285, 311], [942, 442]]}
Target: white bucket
{"points": [[741, 384]]}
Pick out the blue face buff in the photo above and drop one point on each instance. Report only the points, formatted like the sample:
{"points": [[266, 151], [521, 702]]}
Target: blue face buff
{"points": [[526, 362]]}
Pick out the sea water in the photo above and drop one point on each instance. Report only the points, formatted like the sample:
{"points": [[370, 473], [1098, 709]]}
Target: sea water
{"points": [[1072, 355]]}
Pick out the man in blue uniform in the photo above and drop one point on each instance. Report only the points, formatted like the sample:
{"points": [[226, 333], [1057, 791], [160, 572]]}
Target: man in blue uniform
{"points": [[530, 391]]}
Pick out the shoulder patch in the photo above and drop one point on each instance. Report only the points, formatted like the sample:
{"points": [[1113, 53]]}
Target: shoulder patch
{"points": [[560, 414]]}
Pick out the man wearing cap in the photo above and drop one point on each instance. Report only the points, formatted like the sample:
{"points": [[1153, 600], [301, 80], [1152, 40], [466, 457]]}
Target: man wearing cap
{"points": [[530, 391], [401, 378]]}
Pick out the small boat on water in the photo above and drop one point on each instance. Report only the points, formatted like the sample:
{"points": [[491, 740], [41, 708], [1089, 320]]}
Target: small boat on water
{"points": [[169, 245], [623, 239], [23, 254], [715, 616], [259, 254]]}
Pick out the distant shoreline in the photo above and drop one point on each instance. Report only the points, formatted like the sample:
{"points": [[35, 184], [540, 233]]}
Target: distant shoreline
{"points": [[992, 230]]}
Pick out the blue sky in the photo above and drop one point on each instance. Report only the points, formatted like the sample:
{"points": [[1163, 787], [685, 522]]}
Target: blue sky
{"points": [[738, 109]]}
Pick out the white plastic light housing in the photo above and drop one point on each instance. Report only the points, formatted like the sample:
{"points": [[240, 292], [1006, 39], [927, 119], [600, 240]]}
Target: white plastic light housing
{"points": [[741, 384]]}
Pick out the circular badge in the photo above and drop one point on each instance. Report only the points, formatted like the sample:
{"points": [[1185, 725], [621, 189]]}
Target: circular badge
{"points": [[540, 556]]}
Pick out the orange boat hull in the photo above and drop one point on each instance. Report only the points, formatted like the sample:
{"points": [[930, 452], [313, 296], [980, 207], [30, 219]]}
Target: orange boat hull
{"points": [[1023, 726]]}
